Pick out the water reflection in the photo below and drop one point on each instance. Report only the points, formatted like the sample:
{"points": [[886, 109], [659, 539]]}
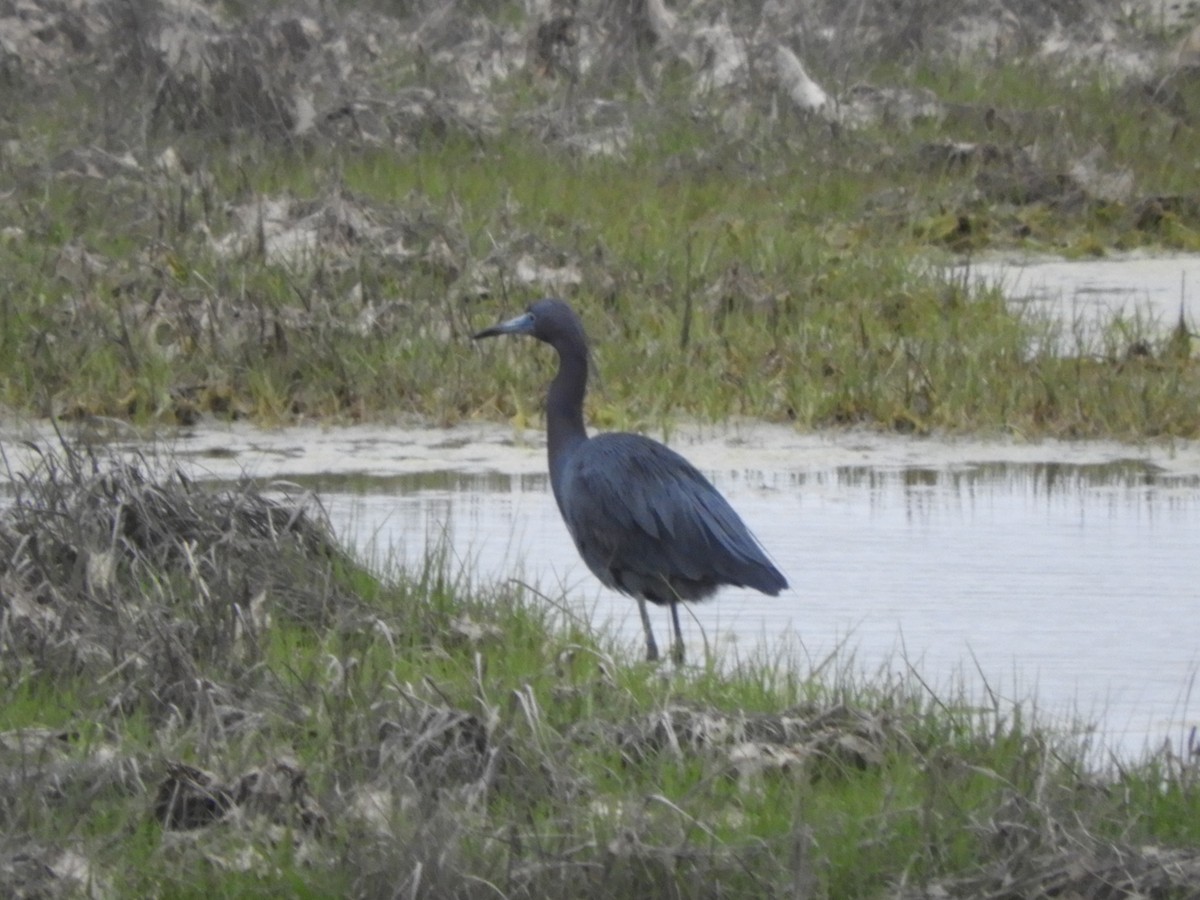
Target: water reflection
{"points": [[1072, 583], [1082, 297]]}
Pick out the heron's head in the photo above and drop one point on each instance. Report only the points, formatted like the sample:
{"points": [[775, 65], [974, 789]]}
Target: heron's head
{"points": [[549, 320]]}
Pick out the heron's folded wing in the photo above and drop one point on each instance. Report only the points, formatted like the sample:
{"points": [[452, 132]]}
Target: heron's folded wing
{"points": [[645, 508]]}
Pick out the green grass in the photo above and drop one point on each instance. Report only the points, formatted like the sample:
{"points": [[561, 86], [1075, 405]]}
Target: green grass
{"points": [[865, 822], [783, 273], [567, 789]]}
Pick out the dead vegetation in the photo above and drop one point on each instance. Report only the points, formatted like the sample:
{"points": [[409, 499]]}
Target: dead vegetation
{"points": [[200, 687], [364, 75], [307, 77], [91, 551]]}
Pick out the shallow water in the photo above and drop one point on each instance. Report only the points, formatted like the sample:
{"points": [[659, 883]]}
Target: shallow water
{"points": [[1070, 585], [1064, 574], [1081, 297]]}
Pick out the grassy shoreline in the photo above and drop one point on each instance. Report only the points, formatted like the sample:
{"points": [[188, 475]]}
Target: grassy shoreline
{"points": [[803, 332], [777, 268]]}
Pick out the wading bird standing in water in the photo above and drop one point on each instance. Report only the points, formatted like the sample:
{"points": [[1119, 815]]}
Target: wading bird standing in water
{"points": [[645, 521]]}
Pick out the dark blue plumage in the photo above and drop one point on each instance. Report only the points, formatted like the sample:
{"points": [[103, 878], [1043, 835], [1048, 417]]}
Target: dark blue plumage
{"points": [[644, 519]]}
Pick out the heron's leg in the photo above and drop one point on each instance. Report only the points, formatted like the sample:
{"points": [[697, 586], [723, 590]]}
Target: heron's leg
{"points": [[651, 646], [677, 649]]}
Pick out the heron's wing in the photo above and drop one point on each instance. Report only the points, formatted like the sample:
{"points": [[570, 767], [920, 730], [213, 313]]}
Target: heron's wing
{"points": [[636, 505]]}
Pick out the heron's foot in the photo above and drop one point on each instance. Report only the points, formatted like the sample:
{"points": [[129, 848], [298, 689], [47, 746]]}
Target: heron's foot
{"points": [[677, 652], [651, 649]]}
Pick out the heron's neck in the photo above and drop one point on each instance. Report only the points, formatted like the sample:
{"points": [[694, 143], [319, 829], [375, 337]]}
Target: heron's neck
{"points": [[564, 406]]}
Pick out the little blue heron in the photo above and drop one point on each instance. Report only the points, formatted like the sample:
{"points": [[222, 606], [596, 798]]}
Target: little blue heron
{"points": [[645, 521]]}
